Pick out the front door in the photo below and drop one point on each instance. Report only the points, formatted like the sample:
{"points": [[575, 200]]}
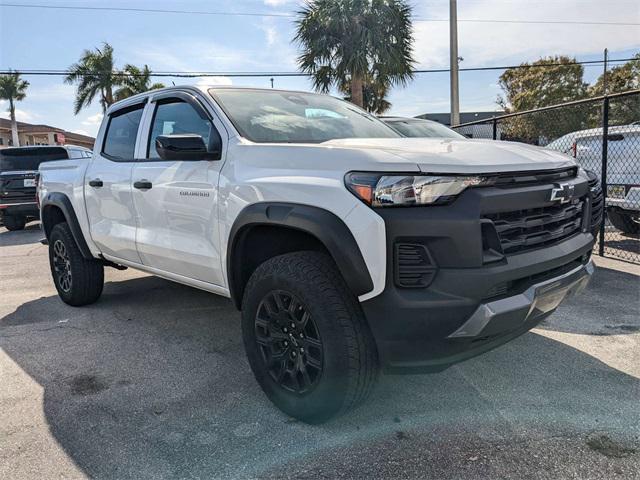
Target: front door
{"points": [[107, 186], [176, 201]]}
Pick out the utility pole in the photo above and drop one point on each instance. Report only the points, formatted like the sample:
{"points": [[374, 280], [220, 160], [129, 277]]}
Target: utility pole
{"points": [[271, 82], [453, 52], [604, 75]]}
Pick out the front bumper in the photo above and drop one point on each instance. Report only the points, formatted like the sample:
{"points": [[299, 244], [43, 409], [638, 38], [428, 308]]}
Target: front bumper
{"points": [[537, 301], [476, 300]]}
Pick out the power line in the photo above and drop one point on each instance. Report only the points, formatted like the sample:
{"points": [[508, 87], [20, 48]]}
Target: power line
{"points": [[533, 22], [58, 72], [289, 15]]}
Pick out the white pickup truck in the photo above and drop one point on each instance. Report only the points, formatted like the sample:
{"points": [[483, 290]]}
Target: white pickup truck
{"points": [[348, 249]]}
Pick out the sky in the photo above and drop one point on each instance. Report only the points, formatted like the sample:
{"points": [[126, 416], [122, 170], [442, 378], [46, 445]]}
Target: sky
{"points": [[41, 38]]}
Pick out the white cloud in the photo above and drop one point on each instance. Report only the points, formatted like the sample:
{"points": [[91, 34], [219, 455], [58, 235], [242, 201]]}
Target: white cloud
{"points": [[54, 92], [80, 131], [276, 3], [213, 82], [93, 120], [21, 115], [508, 43], [202, 55], [272, 35]]}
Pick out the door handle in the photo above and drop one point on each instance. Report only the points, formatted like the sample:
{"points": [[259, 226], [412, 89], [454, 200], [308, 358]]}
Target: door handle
{"points": [[96, 182], [142, 185]]}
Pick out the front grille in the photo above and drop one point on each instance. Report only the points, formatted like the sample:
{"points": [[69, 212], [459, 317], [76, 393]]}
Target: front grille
{"points": [[523, 230], [544, 177], [597, 203]]}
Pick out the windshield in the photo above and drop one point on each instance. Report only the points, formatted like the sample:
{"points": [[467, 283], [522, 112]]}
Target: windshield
{"points": [[422, 128], [29, 159], [293, 117]]}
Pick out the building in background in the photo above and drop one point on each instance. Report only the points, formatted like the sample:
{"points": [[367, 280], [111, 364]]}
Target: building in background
{"points": [[42, 135]]}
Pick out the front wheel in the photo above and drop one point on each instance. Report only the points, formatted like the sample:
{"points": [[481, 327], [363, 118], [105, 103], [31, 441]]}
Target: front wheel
{"points": [[78, 280], [306, 338]]}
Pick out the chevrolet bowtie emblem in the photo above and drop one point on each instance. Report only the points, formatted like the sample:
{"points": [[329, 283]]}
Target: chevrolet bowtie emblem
{"points": [[562, 193]]}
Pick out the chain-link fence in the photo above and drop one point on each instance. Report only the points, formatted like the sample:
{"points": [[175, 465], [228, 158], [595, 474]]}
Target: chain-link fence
{"points": [[603, 135]]}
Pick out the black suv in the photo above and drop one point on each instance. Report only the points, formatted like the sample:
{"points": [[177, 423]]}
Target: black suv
{"points": [[18, 169]]}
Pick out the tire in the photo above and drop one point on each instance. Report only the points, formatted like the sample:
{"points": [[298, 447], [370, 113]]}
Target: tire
{"points": [[626, 222], [84, 284], [13, 223], [331, 336]]}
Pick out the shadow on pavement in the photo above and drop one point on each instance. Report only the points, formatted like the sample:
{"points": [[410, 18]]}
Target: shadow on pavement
{"points": [[610, 305], [30, 234], [152, 382]]}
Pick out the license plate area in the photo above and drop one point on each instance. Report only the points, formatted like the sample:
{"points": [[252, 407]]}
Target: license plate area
{"points": [[615, 191], [29, 182]]}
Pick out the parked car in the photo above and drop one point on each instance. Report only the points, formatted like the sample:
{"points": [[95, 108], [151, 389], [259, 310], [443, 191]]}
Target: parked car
{"points": [[420, 128], [623, 169], [18, 169], [348, 248]]}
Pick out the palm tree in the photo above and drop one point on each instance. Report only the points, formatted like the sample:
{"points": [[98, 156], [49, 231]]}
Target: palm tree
{"points": [[135, 80], [14, 89], [94, 75], [373, 96], [354, 42]]}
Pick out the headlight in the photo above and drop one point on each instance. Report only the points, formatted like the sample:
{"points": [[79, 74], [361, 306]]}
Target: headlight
{"points": [[379, 190]]}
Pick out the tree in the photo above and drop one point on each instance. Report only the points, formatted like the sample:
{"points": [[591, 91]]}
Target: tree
{"points": [[356, 42], [373, 96], [622, 110], [14, 89], [94, 74], [620, 78], [135, 80], [548, 81]]}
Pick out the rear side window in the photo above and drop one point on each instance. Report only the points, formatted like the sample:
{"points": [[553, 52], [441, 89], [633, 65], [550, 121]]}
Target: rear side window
{"points": [[120, 139], [26, 158]]}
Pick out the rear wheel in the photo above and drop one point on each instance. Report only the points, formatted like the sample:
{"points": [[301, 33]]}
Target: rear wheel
{"points": [[78, 280], [627, 222], [13, 222], [306, 338]]}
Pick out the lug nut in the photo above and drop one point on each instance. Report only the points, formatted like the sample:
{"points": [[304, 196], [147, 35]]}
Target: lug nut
{"points": [[286, 343], [293, 325], [293, 354], [301, 335], [284, 329], [301, 350]]}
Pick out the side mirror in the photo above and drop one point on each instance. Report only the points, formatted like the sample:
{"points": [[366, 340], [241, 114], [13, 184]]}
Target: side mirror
{"points": [[187, 147]]}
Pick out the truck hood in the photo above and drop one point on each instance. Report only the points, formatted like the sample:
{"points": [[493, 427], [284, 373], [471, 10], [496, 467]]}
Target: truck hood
{"points": [[435, 155]]}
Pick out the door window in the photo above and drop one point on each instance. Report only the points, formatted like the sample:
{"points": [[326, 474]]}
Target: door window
{"points": [[177, 117], [120, 139]]}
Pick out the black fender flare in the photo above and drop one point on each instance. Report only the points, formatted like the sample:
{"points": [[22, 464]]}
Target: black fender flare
{"points": [[325, 226], [61, 201]]}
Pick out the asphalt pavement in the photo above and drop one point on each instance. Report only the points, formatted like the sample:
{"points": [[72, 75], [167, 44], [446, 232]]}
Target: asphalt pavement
{"points": [[152, 382]]}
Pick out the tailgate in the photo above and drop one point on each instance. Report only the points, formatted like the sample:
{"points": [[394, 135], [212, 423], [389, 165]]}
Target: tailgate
{"points": [[17, 186]]}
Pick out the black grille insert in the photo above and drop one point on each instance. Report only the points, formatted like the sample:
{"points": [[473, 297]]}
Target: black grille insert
{"points": [[523, 230], [543, 177]]}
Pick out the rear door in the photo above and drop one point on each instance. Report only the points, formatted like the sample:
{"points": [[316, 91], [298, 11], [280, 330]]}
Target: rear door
{"points": [[107, 185], [177, 201]]}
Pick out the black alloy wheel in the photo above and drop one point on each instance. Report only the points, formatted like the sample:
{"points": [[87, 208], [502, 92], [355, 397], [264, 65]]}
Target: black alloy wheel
{"points": [[289, 342], [62, 266]]}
